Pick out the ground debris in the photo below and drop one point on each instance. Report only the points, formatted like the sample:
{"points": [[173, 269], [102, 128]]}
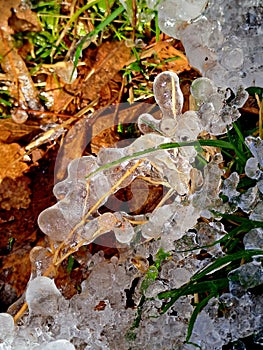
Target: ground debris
{"points": [[16, 18]]}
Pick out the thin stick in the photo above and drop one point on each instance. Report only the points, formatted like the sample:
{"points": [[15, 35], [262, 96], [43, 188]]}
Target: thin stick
{"points": [[260, 120]]}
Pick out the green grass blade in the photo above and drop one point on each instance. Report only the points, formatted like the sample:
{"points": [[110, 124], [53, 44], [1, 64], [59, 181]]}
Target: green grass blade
{"points": [[221, 262], [195, 313], [95, 32]]}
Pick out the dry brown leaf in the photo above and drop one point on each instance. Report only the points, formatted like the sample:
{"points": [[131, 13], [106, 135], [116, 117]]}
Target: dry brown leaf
{"points": [[12, 132], [10, 163], [165, 50], [55, 92], [23, 89], [16, 16], [111, 57], [72, 147]]}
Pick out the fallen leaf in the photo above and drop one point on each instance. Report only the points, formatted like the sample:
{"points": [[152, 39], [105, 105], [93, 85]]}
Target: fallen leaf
{"points": [[12, 132], [16, 16], [111, 57], [10, 163]]}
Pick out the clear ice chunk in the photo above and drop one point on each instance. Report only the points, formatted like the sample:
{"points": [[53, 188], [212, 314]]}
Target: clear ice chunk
{"points": [[254, 239], [42, 296], [230, 185], [248, 276], [255, 145], [223, 39], [251, 169], [168, 94], [7, 328]]}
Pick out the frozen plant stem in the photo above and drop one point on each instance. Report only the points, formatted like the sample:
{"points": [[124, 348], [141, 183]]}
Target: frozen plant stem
{"points": [[56, 260]]}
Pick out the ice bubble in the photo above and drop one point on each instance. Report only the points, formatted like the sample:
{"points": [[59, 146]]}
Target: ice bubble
{"points": [[232, 58], [124, 233], [202, 88], [42, 296], [60, 344]]}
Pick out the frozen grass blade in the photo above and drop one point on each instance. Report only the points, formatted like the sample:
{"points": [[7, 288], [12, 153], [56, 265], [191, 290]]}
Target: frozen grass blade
{"points": [[167, 146]]}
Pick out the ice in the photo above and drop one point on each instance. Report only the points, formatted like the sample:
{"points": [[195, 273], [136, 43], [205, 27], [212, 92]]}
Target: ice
{"points": [[42, 296], [222, 39], [257, 213], [248, 199], [7, 328], [246, 276], [124, 232], [60, 344], [255, 145], [254, 239], [101, 316], [168, 94], [173, 12], [202, 88], [252, 169], [188, 127], [147, 123], [230, 185]]}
